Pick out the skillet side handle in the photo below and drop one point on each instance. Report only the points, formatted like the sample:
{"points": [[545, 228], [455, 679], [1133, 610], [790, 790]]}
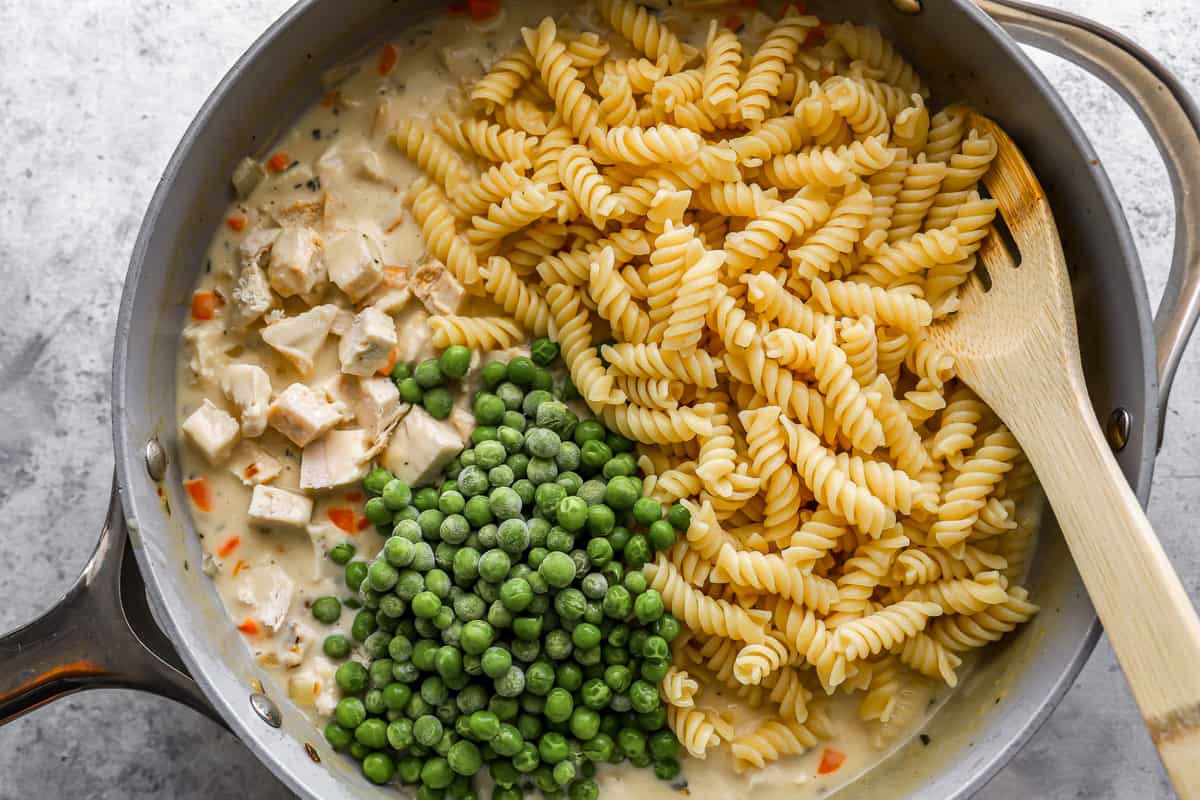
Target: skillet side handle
{"points": [[1173, 120], [99, 635]]}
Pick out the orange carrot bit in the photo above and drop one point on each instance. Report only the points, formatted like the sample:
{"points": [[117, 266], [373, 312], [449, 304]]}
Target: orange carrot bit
{"points": [[354, 497], [363, 523], [236, 222], [279, 161], [831, 761], [228, 546], [197, 489], [344, 519], [203, 305], [483, 9], [733, 22], [239, 566], [250, 471], [249, 627], [388, 57], [391, 362]]}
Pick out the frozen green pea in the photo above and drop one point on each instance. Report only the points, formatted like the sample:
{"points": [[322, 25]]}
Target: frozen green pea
{"points": [[438, 402], [543, 351], [454, 361], [478, 511], [600, 521], [428, 374], [660, 534], [489, 409], [510, 394], [568, 457], [505, 504], [524, 489]]}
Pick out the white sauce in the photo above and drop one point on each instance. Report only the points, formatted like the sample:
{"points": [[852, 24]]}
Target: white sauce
{"points": [[343, 144]]}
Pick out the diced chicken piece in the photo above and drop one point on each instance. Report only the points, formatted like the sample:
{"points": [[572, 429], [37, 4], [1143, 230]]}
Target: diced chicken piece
{"points": [[352, 259], [437, 288], [300, 636], [206, 345], [249, 388], [302, 413], [251, 297], [271, 507], [421, 447], [336, 459], [315, 686], [252, 465], [376, 403], [253, 249], [393, 292], [299, 338], [296, 267], [212, 431], [298, 212], [268, 591], [342, 322], [367, 347], [414, 338]]}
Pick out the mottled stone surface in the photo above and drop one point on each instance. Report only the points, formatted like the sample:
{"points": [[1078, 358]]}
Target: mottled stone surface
{"points": [[93, 97]]}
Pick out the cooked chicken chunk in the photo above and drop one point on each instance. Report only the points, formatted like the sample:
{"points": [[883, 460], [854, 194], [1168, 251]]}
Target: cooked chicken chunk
{"points": [[249, 388], [414, 339], [252, 465], [336, 459], [299, 338], [268, 591], [352, 259], [437, 288], [375, 403], [296, 266], [421, 447], [367, 346], [212, 431], [302, 413], [271, 507]]}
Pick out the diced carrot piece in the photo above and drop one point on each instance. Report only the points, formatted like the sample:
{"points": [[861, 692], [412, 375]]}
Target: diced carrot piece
{"points": [[228, 546], [344, 519], [483, 9], [249, 627], [197, 489], [279, 161], [250, 471], [388, 57], [203, 305], [831, 761], [387, 369], [363, 523], [239, 566], [236, 222]]}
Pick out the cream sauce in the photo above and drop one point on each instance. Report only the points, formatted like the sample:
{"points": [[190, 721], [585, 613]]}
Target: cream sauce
{"points": [[343, 174]]}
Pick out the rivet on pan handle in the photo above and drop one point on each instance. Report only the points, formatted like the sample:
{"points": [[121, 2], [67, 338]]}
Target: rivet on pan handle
{"points": [[1173, 120], [99, 635]]}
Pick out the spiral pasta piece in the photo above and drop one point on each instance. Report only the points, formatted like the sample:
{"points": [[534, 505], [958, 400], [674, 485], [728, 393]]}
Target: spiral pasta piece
{"points": [[774, 137], [518, 210], [964, 595], [645, 147], [651, 361], [694, 568], [976, 480], [868, 44], [929, 657], [836, 237], [698, 286], [617, 106], [614, 300], [774, 303], [668, 262], [700, 612], [490, 141], [659, 427], [817, 536], [518, 300], [808, 636], [888, 306], [770, 61], [767, 572], [722, 68], [885, 186], [771, 741], [534, 244], [574, 104], [646, 33], [571, 328], [501, 82], [819, 166], [861, 347], [921, 187], [678, 689], [832, 486], [587, 50], [778, 225], [694, 728], [865, 115], [883, 630], [476, 333], [496, 183], [755, 662], [431, 153], [965, 169], [911, 126], [960, 633], [432, 212], [862, 573], [585, 184], [735, 198], [946, 131]]}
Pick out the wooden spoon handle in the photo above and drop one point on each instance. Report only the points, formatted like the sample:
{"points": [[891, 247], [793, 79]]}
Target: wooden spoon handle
{"points": [[1144, 608]]}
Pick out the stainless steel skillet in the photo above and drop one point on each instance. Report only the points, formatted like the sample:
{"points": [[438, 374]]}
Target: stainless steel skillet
{"points": [[88, 641]]}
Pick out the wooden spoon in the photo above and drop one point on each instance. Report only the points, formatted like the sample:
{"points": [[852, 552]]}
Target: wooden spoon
{"points": [[1015, 344]]}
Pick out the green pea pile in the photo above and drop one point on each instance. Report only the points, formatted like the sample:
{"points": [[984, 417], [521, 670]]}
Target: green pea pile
{"points": [[508, 624], [425, 383]]}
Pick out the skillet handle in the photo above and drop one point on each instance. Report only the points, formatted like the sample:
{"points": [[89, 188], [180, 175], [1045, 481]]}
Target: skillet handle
{"points": [[1173, 120], [100, 635]]}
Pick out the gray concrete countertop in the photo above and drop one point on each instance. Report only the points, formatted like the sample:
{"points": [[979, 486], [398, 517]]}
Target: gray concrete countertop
{"points": [[93, 97]]}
